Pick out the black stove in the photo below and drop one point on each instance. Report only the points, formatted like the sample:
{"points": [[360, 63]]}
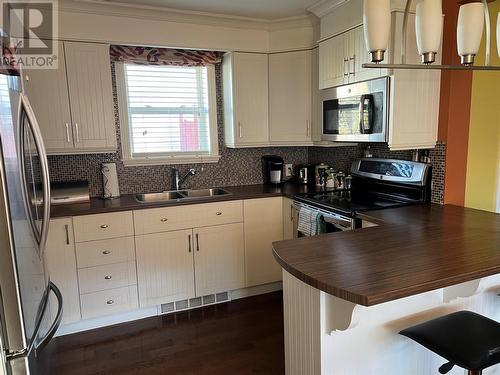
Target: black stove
{"points": [[376, 184]]}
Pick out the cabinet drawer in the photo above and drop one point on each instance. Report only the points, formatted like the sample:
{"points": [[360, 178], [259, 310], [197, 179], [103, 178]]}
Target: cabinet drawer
{"points": [[98, 253], [110, 276], [109, 302], [185, 217], [102, 226]]}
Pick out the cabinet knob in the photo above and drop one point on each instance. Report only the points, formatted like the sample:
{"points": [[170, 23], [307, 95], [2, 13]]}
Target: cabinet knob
{"points": [[104, 226], [110, 302], [108, 277], [164, 220], [218, 213], [106, 252]]}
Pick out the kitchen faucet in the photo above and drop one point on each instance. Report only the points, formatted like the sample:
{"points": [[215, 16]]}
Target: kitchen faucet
{"points": [[177, 181]]}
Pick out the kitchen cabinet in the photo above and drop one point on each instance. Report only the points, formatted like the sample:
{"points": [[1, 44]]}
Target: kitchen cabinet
{"points": [[246, 105], [165, 269], [263, 221], [341, 58], [61, 265], [219, 258], [290, 90], [288, 213], [74, 103]]}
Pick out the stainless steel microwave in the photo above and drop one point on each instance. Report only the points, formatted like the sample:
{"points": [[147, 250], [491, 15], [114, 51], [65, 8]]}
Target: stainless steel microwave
{"points": [[356, 112]]}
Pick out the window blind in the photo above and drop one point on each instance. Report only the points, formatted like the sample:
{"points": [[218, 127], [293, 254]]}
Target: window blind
{"points": [[168, 110]]}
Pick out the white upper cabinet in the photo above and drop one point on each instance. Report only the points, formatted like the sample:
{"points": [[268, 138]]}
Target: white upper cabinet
{"points": [[91, 96], [341, 58], [74, 103], [47, 91], [245, 82], [290, 90]]}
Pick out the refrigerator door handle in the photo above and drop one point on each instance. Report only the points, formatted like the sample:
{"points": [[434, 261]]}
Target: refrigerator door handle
{"points": [[57, 320], [24, 105], [10, 356]]}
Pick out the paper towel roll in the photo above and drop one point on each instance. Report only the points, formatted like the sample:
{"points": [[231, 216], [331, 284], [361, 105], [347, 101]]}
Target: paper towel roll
{"points": [[110, 181]]}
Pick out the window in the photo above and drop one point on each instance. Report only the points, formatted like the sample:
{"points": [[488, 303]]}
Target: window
{"points": [[167, 114]]}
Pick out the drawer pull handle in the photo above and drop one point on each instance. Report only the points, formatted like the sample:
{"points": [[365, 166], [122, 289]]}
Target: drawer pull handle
{"points": [[110, 302], [108, 277], [164, 219], [106, 252], [218, 213], [104, 226]]}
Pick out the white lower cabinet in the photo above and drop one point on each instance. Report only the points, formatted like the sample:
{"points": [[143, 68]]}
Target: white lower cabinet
{"points": [[108, 302], [219, 258], [61, 265], [263, 219], [165, 269], [288, 219]]}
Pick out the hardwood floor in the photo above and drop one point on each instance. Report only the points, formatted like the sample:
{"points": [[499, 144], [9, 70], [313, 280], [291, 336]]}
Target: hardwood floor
{"points": [[240, 337]]}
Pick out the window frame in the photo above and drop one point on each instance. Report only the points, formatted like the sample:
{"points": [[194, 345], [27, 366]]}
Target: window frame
{"points": [[172, 157]]}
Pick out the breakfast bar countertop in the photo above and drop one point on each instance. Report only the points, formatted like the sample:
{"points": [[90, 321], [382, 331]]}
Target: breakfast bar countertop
{"points": [[413, 249]]}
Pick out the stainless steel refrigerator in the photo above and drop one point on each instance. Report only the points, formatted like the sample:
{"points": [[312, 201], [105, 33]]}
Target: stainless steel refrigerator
{"points": [[29, 313]]}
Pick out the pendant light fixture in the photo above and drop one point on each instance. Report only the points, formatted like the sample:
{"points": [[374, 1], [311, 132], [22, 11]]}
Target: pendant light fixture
{"points": [[498, 34], [473, 17], [470, 31], [377, 27], [429, 29]]}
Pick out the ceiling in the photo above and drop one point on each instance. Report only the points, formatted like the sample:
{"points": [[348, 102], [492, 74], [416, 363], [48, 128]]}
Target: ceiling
{"points": [[264, 9]]}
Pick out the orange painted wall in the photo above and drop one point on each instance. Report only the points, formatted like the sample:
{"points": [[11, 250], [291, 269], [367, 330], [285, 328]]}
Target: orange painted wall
{"points": [[454, 115]]}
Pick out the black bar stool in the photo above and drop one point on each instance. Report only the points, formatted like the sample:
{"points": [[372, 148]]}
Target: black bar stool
{"points": [[464, 338]]}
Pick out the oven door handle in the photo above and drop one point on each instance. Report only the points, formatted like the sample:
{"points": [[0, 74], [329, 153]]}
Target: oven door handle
{"points": [[337, 223]]}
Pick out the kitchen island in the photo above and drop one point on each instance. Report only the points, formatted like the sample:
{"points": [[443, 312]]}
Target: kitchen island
{"points": [[347, 295]]}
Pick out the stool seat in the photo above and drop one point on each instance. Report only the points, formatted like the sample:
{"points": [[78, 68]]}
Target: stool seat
{"points": [[464, 338]]}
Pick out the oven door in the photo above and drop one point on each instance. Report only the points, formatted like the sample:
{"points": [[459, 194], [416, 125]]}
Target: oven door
{"points": [[356, 113], [331, 222]]}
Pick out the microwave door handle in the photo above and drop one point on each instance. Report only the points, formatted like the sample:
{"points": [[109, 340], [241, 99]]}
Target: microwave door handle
{"points": [[361, 114]]}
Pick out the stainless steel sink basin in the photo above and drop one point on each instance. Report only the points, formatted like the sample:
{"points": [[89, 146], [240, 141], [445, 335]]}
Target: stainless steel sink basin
{"points": [[179, 195], [204, 193], [159, 197]]}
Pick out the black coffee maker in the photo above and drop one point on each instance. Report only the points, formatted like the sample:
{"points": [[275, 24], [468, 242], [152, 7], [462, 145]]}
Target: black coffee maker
{"points": [[272, 169]]}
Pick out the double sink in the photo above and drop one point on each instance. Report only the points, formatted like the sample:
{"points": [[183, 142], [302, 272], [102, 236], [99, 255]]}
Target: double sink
{"points": [[180, 195]]}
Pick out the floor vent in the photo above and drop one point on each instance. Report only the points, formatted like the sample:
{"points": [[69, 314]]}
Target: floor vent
{"points": [[195, 302], [208, 299], [221, 297], [192, 303], [181, 305], [167, 307]]}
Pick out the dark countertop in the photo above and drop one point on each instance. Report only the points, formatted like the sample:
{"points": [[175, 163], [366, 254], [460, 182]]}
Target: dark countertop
{"points": [[128, 202], [414, 249]]}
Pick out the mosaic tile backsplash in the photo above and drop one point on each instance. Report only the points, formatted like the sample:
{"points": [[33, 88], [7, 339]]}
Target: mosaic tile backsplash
{"points": [[235, 167]]}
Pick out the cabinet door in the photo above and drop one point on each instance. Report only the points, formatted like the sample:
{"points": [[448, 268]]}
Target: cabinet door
{"points": [[91, 97], [250, 90], [61, 264], [287, 219], [332, 62], [263, 225], [47, 90], [219, 258], [165, 270], [358, 55], [290, 81]]}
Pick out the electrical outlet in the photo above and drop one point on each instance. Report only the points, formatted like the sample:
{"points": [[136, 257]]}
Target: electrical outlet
{"points": [[288, 170]]}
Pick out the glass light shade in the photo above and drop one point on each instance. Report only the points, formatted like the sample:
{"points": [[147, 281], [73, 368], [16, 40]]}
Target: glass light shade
{"points": [[470, 31], [377, 27], [498, 34], [429, 28]]}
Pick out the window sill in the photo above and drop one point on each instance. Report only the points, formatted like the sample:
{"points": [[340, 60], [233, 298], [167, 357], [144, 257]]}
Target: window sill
{"points": [[171, 161]]}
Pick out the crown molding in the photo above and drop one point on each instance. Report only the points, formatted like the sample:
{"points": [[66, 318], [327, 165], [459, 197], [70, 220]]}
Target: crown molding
{"points": [[323, 7], [120, 9]]}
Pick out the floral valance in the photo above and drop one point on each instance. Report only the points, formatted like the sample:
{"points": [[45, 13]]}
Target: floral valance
{"points": [[9, 64], [164, 56]]}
